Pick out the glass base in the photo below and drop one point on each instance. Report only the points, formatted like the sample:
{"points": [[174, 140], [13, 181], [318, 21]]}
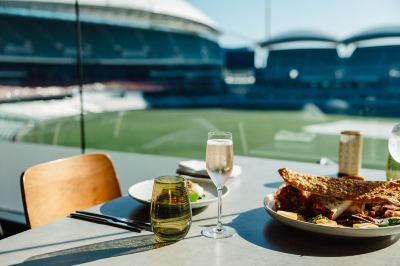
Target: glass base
{"points": [[213, 232]]}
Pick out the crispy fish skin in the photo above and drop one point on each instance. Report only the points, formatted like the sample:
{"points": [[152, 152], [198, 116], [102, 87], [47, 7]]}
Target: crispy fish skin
{"points": [[343, 188]]}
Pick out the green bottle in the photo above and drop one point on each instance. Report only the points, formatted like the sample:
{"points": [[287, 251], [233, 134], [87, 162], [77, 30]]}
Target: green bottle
{"points": [[393, 162], [392, 168]]}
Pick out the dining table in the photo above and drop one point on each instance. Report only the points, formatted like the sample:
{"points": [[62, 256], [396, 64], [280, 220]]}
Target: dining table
{"points": [[260, 239]]}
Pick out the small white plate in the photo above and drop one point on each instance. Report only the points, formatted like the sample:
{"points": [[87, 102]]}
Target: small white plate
{"points": [[142, 192], [199, 167], [326, 230]]}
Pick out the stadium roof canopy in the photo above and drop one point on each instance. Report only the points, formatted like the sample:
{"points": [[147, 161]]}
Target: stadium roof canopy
{"points": [[296, 36], [300, 40], [377, 33], [172, 10]]}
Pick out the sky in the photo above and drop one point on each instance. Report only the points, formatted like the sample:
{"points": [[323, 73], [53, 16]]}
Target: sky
{"points": [[245, 21]]}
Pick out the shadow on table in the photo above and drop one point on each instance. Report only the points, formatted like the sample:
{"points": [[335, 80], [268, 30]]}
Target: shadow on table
{"points": [[257, 227], [122, 207], [97, 251], [129, 208], [274, 185]]}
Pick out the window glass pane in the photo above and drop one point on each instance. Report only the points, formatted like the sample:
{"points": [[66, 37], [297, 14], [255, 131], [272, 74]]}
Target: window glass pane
{"points": [[158, 75], [38, 100]]}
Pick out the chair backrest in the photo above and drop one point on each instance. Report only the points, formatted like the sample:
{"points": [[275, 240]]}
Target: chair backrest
{"points": [[54, 189]]}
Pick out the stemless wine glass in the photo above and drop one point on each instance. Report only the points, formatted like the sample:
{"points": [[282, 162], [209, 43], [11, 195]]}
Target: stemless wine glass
{"points": [[393, 162], [219, 163], [170, 211]]}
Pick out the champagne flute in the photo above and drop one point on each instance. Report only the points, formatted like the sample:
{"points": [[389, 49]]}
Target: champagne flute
{"points": [[219, 163]]}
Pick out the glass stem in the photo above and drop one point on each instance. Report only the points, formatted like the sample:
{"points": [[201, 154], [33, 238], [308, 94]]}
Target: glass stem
{"points": [[219, 224]]}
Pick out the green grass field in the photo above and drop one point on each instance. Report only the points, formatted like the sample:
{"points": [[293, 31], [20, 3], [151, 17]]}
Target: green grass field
{"points": [[183, 133]]}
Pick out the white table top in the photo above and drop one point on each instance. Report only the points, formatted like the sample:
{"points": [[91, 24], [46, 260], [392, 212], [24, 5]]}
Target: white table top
{"points": [[260, 239]]}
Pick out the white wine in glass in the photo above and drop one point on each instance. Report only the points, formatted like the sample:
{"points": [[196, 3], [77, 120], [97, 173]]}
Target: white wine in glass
{"points": [[219, 163], [219, 160]]}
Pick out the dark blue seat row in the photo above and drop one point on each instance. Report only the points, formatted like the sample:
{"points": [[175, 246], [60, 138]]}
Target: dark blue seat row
{"points": [[21, 36], [365, 65]]}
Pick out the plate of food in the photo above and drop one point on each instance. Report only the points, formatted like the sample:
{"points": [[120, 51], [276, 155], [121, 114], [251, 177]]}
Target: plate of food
{"points": [[341, 207], [202, 192]]}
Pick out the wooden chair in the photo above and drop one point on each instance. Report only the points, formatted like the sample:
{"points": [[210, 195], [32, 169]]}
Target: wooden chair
{"points": [[54, 189]]}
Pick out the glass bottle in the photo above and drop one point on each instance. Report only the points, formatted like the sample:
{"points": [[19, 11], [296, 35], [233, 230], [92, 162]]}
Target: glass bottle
{"points": [[393, 161]]}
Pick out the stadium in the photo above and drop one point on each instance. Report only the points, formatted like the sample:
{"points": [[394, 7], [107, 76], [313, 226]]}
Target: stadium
{"points": [[170, 52], [164, 57]]}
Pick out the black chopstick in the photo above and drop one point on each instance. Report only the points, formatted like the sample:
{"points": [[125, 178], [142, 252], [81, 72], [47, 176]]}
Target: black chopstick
{"points": [[105, 221], [134, 223], [193, 174]]}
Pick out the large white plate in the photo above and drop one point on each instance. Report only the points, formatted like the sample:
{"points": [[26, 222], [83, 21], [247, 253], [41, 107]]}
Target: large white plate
{"points": [[326, 230], [142, 192]]}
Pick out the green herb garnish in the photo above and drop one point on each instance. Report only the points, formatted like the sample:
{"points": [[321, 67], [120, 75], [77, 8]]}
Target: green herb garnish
{"points": [[316, 218], [193, 197], [394, 221]]}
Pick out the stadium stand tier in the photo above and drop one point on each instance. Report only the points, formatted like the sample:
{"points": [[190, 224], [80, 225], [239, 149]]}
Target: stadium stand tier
{"points": [[38, 46], [358, 75]]}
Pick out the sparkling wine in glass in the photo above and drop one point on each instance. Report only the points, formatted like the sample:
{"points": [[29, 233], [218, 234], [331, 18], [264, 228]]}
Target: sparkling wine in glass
{"points": [[219, 163]]}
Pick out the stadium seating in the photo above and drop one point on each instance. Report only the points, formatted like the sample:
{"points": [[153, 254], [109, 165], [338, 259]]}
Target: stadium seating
{"points": [[159, 43], [373, 63], [109, 52], [365, 64], [56, 38], [239, 59], [130, 42], [364, 79], [212, 50], [316, 64], [188, 62], [189, 46]]}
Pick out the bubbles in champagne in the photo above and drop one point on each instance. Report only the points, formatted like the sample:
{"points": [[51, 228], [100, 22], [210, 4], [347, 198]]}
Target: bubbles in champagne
{"points": [[394, 143], [219, 160]]}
